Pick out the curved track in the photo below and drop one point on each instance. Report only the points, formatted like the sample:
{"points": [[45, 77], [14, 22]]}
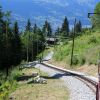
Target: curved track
{"points": [[81, 87]]}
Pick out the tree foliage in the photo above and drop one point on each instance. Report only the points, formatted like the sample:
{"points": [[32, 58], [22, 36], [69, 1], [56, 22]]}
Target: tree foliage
{"points": [[96, 17], [16, 46], [10, 43], [47, 30], [33, 43], [78, 27], [65, 28]]}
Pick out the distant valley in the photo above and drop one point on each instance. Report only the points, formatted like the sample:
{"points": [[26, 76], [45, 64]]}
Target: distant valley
{"points": [[53, 10]]}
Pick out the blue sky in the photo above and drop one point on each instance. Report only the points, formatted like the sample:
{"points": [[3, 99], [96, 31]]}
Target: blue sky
{"points": [[53, 10]]}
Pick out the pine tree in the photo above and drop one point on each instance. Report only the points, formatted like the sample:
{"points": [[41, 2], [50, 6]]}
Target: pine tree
{"points": [[35, 28], [28, 30], [78, 27], [44, 29], [28, 26], [65, 27], [16, 44], [7, 61], [1, 38], [1, 19], [47, 30], [57, 33]]}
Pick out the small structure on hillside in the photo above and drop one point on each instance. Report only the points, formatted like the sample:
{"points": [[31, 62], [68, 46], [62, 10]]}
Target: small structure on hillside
{"points": [[51, 40]]}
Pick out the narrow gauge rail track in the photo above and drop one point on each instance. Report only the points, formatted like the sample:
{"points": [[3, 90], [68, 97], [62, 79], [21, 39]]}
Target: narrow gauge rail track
{"points": [[91, 82]]}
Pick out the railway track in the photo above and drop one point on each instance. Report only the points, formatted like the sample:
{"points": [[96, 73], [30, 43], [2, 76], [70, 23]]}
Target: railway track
{"points": [[91, 82]]}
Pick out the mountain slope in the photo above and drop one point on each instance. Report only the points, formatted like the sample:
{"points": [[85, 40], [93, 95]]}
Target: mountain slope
{"points": [[53, 10]]}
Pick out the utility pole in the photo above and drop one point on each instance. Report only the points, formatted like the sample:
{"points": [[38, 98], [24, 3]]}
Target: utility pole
{"points": [[54, 42], [41, 57], [32, 47], [37, 44], [73, 45], [27, 48]]}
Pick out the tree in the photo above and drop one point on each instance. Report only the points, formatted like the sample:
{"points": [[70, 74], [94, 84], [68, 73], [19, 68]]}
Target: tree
{"points": [[35, 28], [7, 60], [1, 19], [17, 45], [1, 36], [96, 17], [10, 47], [28, 30], [47, 30], [34, 44], [57, 33], [78, 27], [49, 34], [28, 26], [65, 27], [16, 28]]}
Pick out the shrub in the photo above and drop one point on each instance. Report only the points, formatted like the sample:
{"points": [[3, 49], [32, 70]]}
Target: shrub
{"points": [[92, 40], [7, 86], [65, 42], [75, 60], [83, 60]]}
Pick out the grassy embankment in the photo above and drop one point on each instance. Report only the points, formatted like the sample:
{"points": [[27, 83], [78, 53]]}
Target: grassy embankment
{"points": [[87, 48]]}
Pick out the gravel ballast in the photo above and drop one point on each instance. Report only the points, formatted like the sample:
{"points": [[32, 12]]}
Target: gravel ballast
{"points": [[78, 90]]}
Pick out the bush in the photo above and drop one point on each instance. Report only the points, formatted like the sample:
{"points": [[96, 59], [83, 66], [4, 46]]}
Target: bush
{"points": [[4, 90], [7, 88], [92, 40], [65, 42], [75, 60], [9, 85], [83, 60], [14, 74]]}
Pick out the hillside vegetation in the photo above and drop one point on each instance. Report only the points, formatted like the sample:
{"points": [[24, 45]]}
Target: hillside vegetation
{"points": [[86, 50]]}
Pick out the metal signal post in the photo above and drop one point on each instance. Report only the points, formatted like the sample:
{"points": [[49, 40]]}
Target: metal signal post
{"points": [[98, 85]]}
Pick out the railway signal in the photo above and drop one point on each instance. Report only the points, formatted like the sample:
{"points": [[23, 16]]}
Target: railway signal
{"points": [[98, 85], [99, 79]]}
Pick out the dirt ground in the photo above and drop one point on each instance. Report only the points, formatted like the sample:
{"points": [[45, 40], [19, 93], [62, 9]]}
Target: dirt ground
{"points": [[53, 90]]}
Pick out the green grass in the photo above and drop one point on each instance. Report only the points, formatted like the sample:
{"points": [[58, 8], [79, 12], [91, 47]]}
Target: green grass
{"points": [[8, 85], [87, 48]]}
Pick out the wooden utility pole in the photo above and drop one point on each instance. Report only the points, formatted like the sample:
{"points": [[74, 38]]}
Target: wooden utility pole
{"points": [[27, 48], [32, 47], [37, 45], [73, 45]]}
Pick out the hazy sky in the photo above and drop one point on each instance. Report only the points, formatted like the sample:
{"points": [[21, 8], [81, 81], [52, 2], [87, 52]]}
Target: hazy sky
{"points": [[53, 10]]}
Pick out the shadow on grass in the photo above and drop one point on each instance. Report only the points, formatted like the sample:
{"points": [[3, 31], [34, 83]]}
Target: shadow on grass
{"points": [[24, 78], [56, 76]]}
